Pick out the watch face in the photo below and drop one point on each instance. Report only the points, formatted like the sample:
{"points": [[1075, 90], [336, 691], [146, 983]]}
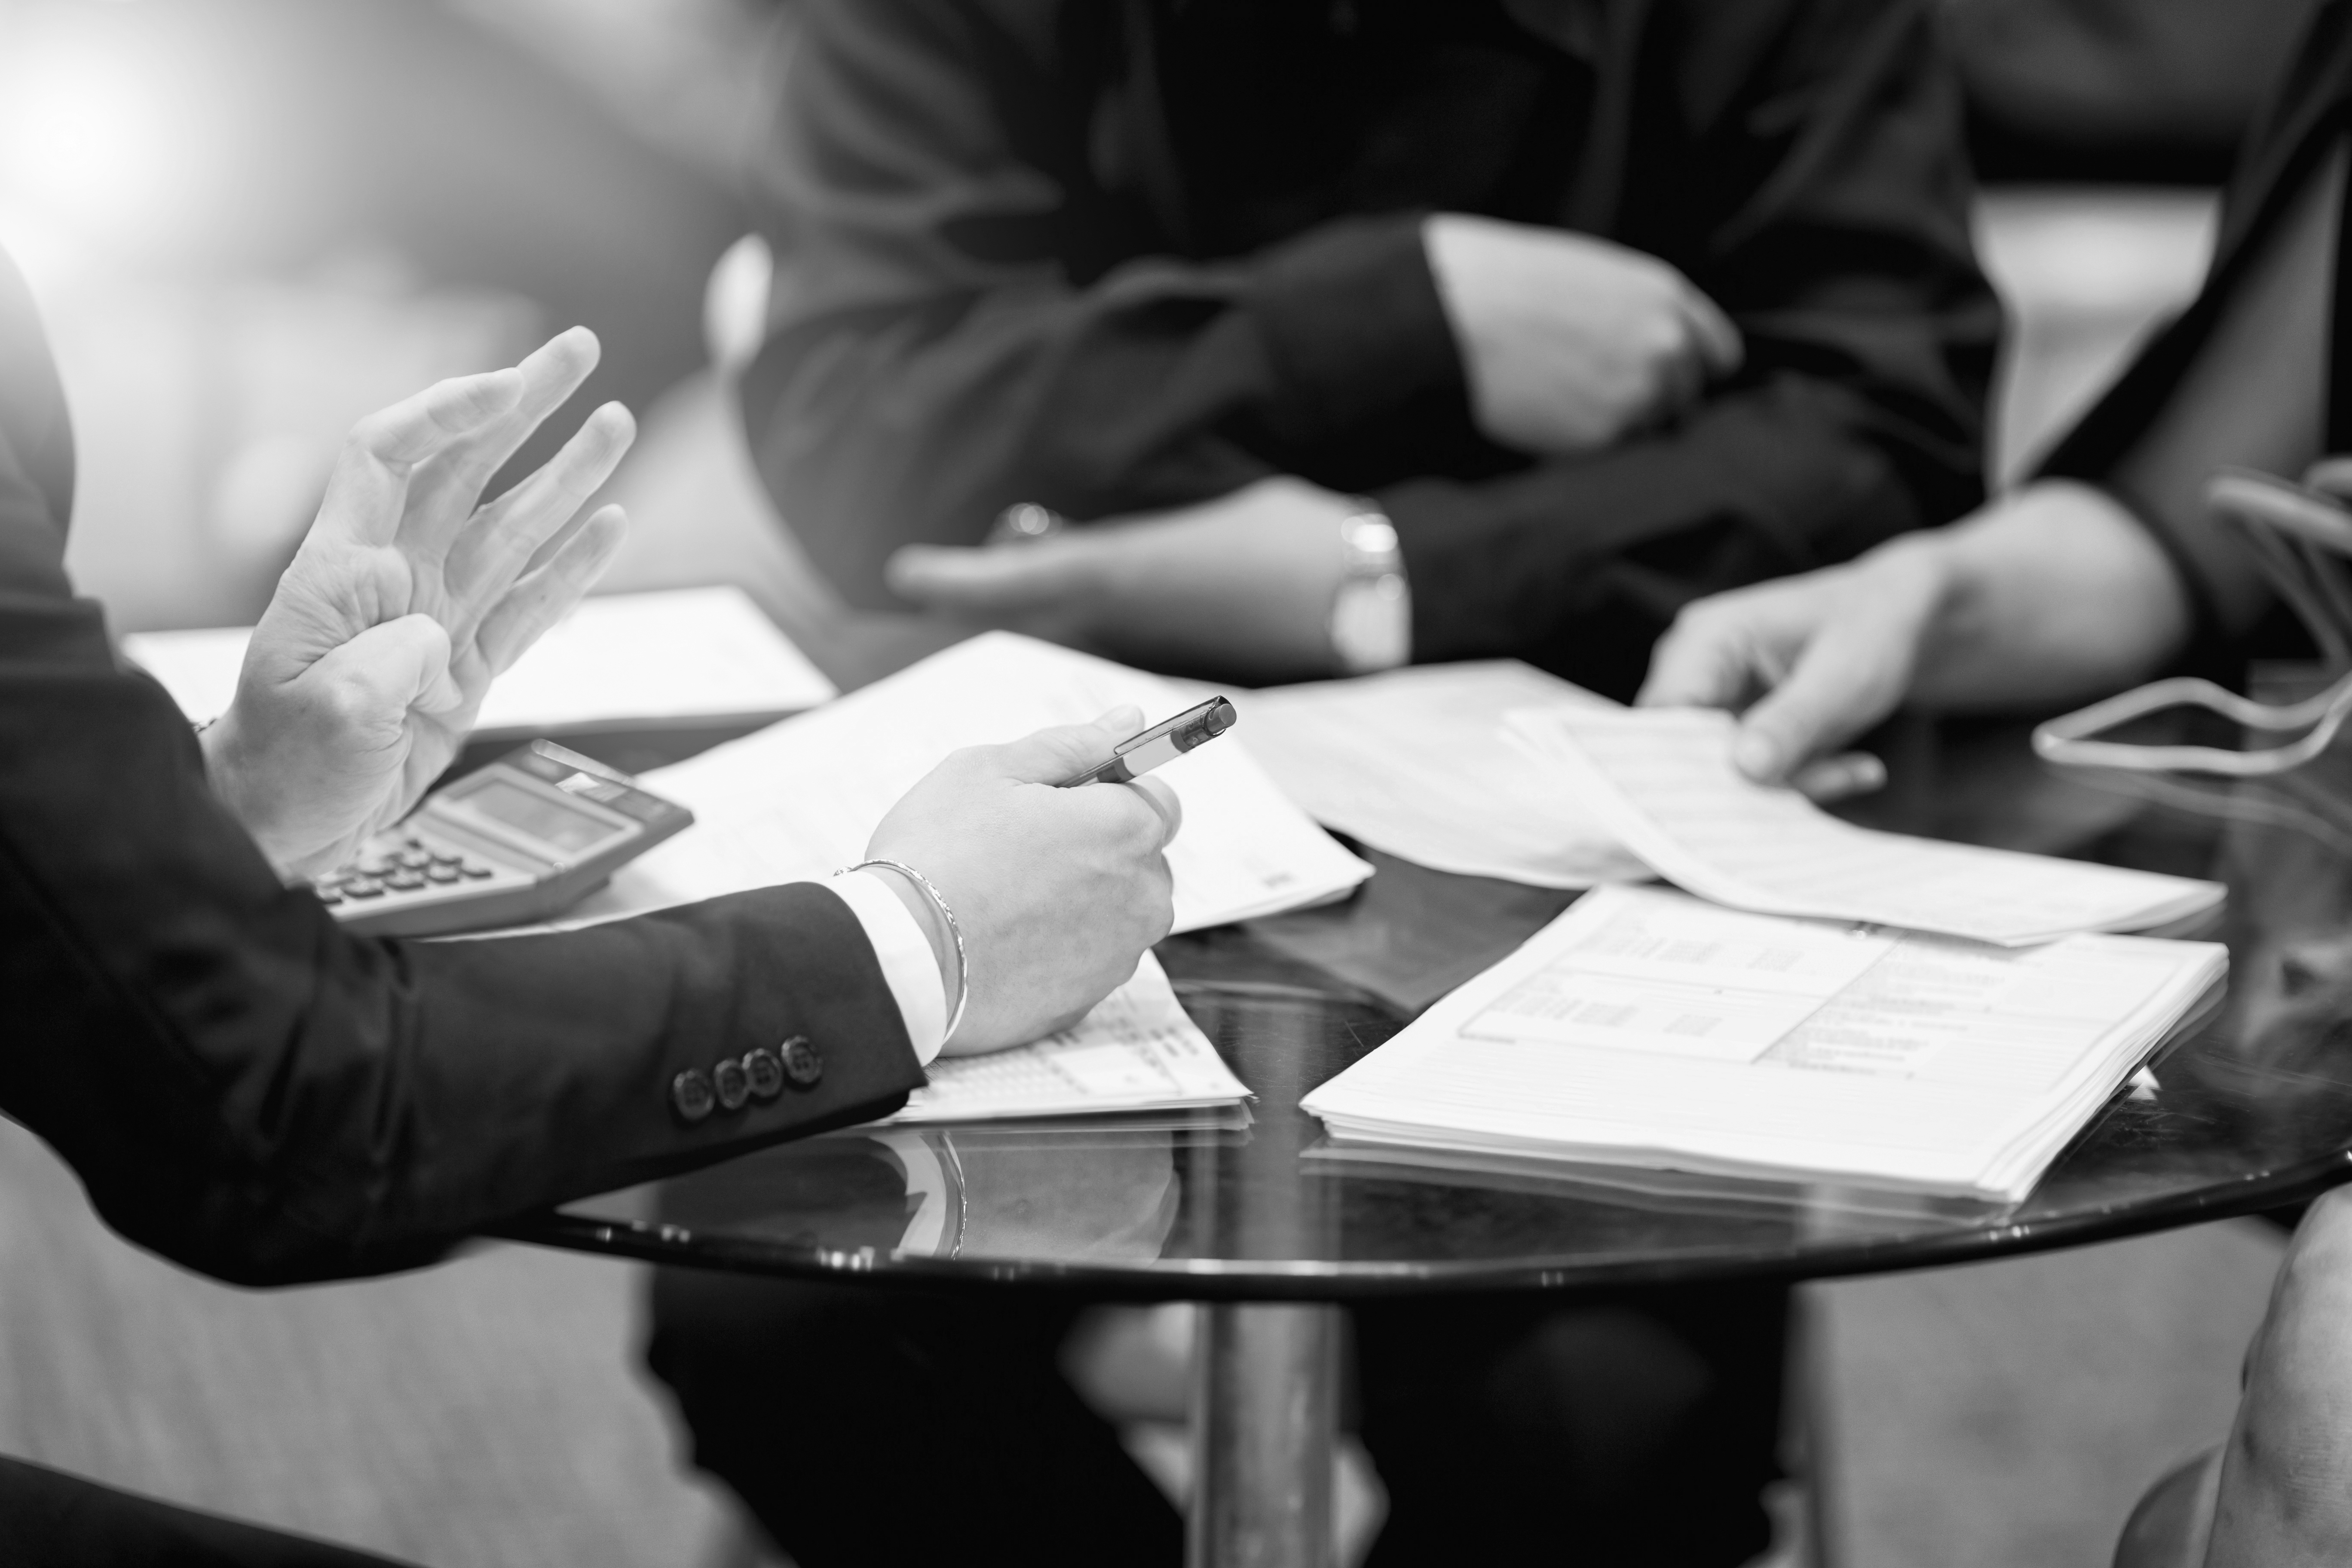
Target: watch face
{"points": [[1373, 538]]}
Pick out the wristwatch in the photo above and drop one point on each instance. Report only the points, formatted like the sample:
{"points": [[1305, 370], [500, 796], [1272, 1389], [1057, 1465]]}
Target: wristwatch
{"points": [[1371, 613]]}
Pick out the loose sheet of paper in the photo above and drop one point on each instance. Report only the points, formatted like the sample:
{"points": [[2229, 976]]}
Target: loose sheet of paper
{"points": [[682, 656], [1647, 1027], [1137, 1050], [1415, 762], [800, 799], [686, 655], [1663, 782]]}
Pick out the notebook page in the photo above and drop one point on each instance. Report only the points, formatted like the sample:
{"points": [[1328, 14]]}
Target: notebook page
{"points": [[1647, 1027], [1664, 783], [678, 655], [799, 800], [1137, 1050], [1413, 762]]}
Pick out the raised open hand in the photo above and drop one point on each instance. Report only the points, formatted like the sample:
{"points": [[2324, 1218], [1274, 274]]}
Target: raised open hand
{"points": [[407, 598]]}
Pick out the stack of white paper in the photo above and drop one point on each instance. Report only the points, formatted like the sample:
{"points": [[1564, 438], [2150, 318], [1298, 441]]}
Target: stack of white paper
{"points": [[628, 662], [799, 800], [1644, 1027], [1663, 783], [1137, 1050], [1415, 762]]}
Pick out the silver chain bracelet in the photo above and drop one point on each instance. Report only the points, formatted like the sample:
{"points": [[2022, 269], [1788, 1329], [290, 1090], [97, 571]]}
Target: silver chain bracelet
{"points": [[955, 929]]}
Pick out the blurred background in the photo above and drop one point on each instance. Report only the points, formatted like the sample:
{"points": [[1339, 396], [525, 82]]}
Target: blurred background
{"points": [[249, 221]]}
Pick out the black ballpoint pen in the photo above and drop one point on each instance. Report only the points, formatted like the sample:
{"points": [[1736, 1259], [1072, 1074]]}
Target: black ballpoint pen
{"points": [[1164, 741]]}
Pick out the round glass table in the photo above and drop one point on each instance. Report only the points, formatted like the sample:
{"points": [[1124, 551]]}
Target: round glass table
{"points": [[1257, 1214]]}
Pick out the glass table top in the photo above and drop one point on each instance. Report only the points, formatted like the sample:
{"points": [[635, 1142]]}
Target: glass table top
{"points": [[2252, 1107]]}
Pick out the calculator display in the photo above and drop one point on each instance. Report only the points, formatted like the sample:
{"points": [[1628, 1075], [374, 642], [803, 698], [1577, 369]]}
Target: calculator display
{"points": [[535, 814]]}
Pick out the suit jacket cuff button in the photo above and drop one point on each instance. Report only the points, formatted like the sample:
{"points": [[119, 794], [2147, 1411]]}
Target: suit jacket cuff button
{"points": [[691, 1094], [803, 1066], [766, 1072]]}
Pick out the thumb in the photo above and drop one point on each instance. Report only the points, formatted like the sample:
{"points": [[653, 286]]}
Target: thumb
{"points": [[1707, 659], [1049, 756], [1720, 346], [393, 667], [1846, 680]]}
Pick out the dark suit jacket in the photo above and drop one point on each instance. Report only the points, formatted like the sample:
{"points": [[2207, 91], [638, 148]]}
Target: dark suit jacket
{"points": [[2311, 110], [1126, 254], [248, 1090]]}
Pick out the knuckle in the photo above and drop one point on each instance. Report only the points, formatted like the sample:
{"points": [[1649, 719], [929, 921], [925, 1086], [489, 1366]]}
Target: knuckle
{"points": [[345, 705], [366, 434]]}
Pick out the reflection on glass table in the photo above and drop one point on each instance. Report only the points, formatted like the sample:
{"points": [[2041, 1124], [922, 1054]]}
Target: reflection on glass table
{"points": [[2250, 1108]]}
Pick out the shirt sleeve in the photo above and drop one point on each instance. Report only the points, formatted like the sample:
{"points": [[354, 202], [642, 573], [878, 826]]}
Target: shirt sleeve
{"points": [[906, 956]]}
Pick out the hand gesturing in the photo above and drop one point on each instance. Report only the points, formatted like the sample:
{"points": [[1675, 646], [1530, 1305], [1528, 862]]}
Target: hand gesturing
{"points": [[407, 598]]}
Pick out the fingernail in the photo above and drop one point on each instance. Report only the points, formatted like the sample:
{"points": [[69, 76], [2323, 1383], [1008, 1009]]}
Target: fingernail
{"points": [[1756, 756]]}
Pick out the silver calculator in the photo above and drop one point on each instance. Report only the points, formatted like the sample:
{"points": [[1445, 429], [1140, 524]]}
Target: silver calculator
{"points": [[520, 840]]}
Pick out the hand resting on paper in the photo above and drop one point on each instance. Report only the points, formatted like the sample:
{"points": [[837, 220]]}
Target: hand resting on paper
{"points": [[1059, 891], [2053, 596], [407, 598]]}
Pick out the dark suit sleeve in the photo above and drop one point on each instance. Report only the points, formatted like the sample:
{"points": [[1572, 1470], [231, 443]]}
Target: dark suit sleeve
{"points": [[248, 1090], [2302, 121], [933, 360], [1817, 192]]}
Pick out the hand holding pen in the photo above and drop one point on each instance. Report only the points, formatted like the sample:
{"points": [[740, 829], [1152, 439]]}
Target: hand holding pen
{"points": [[1162, 743]]}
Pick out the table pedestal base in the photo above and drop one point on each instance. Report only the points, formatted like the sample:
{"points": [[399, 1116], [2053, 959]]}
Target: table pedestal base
{"points": [[1265, 1409]]}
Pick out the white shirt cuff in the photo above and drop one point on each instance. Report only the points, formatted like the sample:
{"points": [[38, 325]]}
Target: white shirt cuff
{"points": [[905, 954]]}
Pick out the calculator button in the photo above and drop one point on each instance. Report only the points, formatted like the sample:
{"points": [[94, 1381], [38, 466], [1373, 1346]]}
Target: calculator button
{"points": [[329, 897], [413, 860], [471, 869], [440, 873], [362, 888], [404, 881]]}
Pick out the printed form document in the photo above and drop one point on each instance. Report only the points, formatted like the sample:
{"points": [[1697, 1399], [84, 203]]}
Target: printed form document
{"points": [[1137, 1050], [1663, 782], [799, 800], [1645, 1028], [1415, 761]]}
